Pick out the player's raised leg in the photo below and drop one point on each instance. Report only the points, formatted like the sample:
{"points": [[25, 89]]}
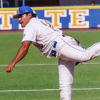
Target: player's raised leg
{"points": [[76, 53]]}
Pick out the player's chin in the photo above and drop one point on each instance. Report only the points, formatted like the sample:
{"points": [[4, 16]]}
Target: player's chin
{"points": [[22, 25]]}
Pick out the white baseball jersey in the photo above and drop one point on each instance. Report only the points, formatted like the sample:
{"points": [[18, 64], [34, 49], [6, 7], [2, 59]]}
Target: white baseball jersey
{"points": [[45, 36], [41, 32]]}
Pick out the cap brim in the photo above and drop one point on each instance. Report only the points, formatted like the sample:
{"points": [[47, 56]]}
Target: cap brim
{"points": [[17, 16]]}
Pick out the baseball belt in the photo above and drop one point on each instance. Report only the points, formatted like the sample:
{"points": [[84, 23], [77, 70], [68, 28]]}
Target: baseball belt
{"points": [[53, 51]]}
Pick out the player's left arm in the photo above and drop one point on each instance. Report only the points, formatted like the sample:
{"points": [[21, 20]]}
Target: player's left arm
{"points": [[19, 56]]}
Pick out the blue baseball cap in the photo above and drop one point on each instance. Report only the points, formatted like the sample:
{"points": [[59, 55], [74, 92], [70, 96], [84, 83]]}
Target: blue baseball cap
{"points": [[22, 10]]}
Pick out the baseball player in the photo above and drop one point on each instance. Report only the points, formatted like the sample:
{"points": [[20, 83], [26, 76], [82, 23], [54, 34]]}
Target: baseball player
{"points": [[52, 43]]}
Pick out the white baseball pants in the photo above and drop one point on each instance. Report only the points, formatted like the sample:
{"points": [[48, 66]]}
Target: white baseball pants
{"points": [[70, 53], [66, 71]]}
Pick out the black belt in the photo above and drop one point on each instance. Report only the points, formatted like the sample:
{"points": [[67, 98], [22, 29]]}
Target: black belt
{"points": [[53, 51]]}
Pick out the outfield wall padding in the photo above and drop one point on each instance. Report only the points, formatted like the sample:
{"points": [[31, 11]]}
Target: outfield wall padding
{"points": [[66, 17]]}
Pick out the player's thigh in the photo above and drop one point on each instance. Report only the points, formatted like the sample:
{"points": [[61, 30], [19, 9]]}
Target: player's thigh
{"points": [[71, 52]]}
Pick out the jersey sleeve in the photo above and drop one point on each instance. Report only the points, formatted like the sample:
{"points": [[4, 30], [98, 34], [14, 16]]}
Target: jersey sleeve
{"points": [[29, 34]]}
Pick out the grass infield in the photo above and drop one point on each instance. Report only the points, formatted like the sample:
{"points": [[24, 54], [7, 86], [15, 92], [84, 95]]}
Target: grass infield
{"points": [[35, 71]]}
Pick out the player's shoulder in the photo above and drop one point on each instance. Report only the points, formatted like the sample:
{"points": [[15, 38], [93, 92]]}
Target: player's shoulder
{"points": [[32, 22], [35, 21], [32, 25]]}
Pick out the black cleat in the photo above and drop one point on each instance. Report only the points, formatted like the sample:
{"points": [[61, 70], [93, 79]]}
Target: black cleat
{"points": [[77, 63]]}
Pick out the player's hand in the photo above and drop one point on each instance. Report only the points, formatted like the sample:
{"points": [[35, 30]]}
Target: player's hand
{"points": [[9, 68]]}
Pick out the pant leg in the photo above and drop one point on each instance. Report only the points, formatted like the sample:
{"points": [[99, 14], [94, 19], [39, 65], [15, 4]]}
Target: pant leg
{"points": [[77, 53], [94, 50], [66, 70]]}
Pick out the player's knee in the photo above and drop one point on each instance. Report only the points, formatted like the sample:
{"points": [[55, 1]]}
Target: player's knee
{"points": [[86, 56]]}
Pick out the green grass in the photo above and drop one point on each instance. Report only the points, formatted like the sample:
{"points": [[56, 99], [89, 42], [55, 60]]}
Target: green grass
{"points": [[30, 77], [86, 95], [30, 96]]}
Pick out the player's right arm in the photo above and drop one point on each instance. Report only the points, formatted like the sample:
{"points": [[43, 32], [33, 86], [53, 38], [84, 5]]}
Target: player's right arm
{"points": [[19, 56]]}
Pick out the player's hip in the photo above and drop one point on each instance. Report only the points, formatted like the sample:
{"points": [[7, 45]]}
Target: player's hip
{"points": [[58, 44]]}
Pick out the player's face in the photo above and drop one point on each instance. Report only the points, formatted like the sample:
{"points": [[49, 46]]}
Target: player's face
{"points": [[24, 19]]}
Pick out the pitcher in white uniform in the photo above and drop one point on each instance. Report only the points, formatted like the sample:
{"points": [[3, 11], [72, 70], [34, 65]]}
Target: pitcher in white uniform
{"points": [[52, 43]]}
